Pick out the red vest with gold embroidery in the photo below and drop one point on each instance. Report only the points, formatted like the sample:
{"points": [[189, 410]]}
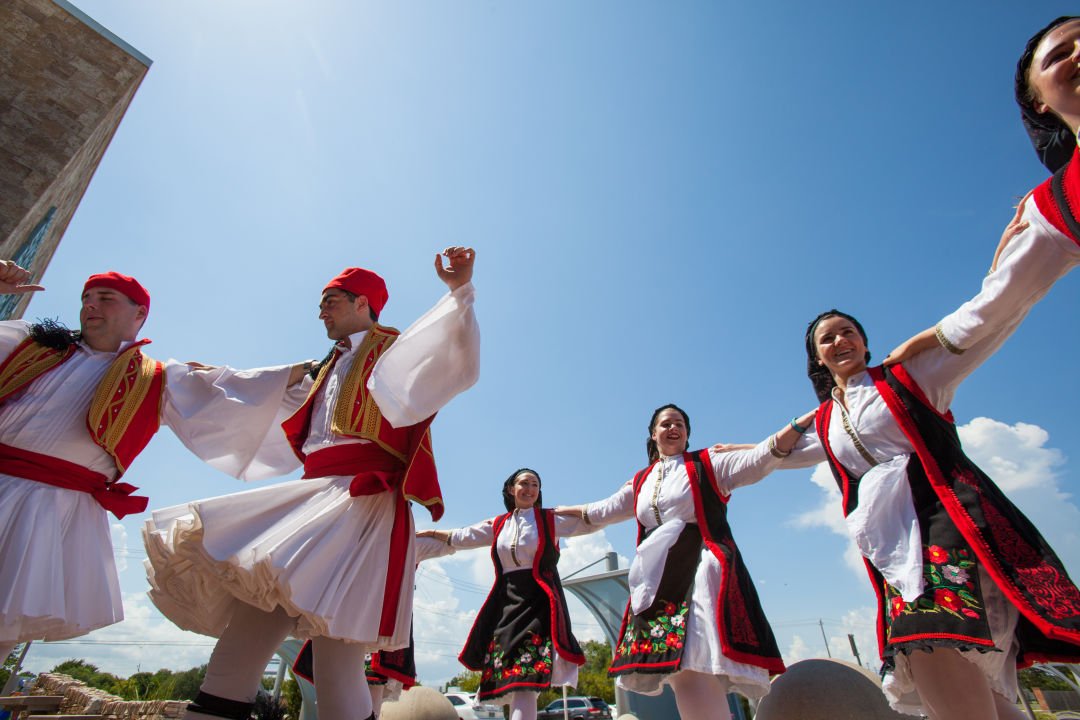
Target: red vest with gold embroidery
{"points": [[125, 410], [356, 415]]}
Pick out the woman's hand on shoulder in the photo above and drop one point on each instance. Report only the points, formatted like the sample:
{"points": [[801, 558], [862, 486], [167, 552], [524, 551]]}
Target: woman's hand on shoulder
{"points": [[911, 347], [1016, 226]]}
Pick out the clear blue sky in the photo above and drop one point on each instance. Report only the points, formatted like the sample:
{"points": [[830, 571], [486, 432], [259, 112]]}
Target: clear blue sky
{"points": [[661, 196]]}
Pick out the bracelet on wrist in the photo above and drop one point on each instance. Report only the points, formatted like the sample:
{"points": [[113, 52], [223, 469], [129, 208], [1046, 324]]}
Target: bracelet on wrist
{"points": [[797, 427]]}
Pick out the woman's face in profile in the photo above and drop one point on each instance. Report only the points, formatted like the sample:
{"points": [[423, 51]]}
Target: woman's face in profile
{"points": [[1054, 75]]}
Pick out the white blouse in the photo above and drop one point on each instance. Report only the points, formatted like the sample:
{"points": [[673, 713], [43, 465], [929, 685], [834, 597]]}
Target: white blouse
{"points": [[519, 540]]}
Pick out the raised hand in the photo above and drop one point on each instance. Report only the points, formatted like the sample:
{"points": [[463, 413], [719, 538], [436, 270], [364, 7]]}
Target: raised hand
{"points": [[459, 268], [13, 279]]}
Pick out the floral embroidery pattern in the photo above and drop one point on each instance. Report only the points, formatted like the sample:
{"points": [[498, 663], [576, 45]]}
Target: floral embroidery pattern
{"points": [[949, 587], [665, 632], [532, 658]]}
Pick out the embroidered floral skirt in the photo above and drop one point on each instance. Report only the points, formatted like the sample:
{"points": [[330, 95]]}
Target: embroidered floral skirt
{"points": [[679, 630], [960, 609], [519, 653]]}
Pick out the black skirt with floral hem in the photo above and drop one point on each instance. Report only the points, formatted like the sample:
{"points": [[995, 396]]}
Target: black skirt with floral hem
{"points": [[519, 653], [652, 641]]}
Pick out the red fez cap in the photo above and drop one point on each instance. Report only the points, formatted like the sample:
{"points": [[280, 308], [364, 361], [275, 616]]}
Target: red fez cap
{"points": [[359, 281], [129, 287]]}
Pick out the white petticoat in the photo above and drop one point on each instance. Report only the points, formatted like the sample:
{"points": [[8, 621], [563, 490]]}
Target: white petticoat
{"points": [[998, 667], [701, 649], [57, 573], [306, 546]]}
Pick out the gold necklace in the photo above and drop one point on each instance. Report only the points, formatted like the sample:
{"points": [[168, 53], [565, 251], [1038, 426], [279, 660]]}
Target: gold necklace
{"points": [[656, 490]]}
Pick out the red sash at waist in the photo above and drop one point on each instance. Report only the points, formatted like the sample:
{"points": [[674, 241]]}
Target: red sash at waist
{"points": [[115, 497], [373, 469]]}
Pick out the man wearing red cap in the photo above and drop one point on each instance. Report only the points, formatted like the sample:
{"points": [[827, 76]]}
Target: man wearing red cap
{"points": [[76, 408], [329, 557]]}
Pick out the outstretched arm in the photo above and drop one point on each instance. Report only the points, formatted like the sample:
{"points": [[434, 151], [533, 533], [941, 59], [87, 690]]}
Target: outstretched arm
{"points": [[745, 467], [934, 337], [13, 279]]}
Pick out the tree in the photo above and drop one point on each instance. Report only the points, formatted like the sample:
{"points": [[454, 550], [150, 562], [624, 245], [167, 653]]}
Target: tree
{"points": [[89, 674], [468, 681]]}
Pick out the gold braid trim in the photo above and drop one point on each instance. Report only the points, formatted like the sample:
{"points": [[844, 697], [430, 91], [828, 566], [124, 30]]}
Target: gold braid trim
{"points": [[850, 430], [27, 362], [364, 422], [945, 342], [118, 397]]}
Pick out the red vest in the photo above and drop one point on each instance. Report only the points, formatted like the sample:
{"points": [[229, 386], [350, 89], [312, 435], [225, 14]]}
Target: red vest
{"points": [[125, 410], [356, 415], [1068, 180]]}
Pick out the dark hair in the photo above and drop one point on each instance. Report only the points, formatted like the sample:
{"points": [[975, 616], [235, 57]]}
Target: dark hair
{"points": [[820, 376], [1052, 138], [508, 495], [650, 444]]}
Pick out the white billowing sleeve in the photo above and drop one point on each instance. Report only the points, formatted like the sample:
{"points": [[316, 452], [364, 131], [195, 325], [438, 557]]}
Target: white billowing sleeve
{"points": [[436, 358], [482, 534], [616, 508], [743, 467], [429, 548], [1028, 267], [12, 332], [573, 525], [232, 418]]}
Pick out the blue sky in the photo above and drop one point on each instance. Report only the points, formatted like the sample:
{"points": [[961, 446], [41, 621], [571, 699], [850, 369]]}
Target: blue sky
{"points": [[661, 196]]}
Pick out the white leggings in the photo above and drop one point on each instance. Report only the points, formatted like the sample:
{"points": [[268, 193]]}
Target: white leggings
{"points": [[249, 642], [699, 696], [937, 676], [523, 705]]}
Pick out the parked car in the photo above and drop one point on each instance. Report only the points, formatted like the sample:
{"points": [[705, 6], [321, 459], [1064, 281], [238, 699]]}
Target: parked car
{"points": [[467, 707], [581, 708]]}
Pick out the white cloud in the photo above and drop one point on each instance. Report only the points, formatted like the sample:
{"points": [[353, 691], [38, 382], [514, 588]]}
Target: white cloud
{"points": [[1015, 456], [860, 623], [829, 515], [144, 640]]}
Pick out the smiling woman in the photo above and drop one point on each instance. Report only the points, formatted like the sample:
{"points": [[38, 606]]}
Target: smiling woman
{"points": [[967, 587], [694, 621], [521, 642]]}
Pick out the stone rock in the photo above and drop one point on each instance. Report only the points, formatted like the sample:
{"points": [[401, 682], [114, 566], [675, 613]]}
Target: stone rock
{"points": [[419, 703], [826, 690]]}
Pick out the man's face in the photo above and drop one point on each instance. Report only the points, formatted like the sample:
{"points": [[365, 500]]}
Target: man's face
{"points": [[108, 318], [341, 315]]}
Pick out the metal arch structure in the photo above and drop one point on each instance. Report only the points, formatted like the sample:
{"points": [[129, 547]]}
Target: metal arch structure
{"points": [[287, 652]]}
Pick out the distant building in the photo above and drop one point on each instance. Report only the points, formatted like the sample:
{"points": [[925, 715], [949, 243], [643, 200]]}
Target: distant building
{"points": [[65, 84]]}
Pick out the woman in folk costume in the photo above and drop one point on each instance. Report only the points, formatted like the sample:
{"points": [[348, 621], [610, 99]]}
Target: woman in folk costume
{"points": [[968, 589], [521, 642], [329, 557], [1043, 244], [76, 409], [694, 620]]}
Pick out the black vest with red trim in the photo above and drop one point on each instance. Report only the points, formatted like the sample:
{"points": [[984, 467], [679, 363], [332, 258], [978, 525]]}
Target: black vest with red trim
{"points": [[745, 633], [545, 572], [1058, 199], [948, 487]]}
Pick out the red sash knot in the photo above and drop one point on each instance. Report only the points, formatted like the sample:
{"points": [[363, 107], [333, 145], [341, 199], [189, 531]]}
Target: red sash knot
{"points": [[116, 497]]}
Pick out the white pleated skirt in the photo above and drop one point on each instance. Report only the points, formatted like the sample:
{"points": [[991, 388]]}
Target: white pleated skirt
{"points": [[306, 546], [57, 574]]}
